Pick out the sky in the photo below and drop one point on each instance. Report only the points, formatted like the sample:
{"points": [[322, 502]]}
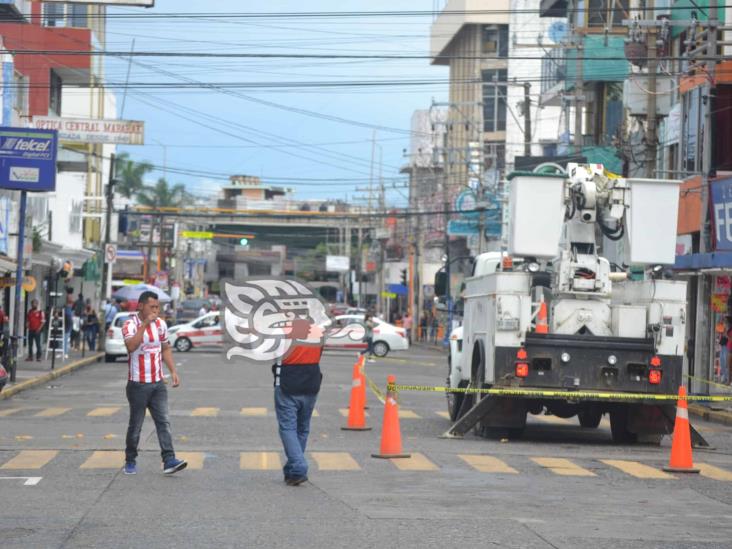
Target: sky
{"points": [[220, 130]]}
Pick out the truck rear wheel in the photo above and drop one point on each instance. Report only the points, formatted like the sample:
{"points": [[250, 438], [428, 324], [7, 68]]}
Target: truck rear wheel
{"points": [[619, 426], [589, 419], [455, 402]]}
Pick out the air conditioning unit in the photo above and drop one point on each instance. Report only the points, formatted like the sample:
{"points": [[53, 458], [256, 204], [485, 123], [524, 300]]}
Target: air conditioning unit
{"points": [[635, 93]]}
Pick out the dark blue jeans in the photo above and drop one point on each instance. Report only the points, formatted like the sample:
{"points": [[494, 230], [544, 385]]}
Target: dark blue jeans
{"points": [[293, 416], [154, 396], [34, 337]]}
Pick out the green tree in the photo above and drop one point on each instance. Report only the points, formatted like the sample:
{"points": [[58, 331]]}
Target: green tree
{"points": [[163, 195], [130, 175]]}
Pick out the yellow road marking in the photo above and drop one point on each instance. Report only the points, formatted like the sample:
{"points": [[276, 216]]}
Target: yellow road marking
{"points": [[443, 414], [637, 470], [104, 459], [52, 412], [260, 461], [315, 413], [553, 420], [335, 461], [194, 459], [417, 462], [710, 471], [30, 459], [23, 437], [110, 436], [344, 412], [564, 467], [9, 411], [104, 412], [254, 412], [205, 412], [487, 464], [408, 414]]}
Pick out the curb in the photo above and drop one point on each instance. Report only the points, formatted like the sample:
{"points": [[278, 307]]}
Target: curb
{"points": [[45, 378], [718, 416]]}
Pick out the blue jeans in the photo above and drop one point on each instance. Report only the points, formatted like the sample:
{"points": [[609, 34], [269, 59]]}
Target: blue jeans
{"points": [[293, 416], [723, 368]]}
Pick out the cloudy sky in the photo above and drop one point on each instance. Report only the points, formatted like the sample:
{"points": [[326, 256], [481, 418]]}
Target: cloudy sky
{"points": [[302, 123]]}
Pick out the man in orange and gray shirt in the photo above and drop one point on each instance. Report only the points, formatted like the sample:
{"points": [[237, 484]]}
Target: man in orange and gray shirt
{"points": [[297, 383]]}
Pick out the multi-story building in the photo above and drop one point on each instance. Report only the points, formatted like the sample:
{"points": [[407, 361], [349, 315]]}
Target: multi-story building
{"points": [[39, 80]]}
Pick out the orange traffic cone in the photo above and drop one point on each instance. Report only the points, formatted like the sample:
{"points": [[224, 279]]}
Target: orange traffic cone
{"points": [[681, 460], [362, 373], [542, 327], [356, 414], [391, 436]]}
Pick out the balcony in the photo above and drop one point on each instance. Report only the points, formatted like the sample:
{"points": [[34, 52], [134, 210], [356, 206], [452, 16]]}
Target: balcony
{"points": [[17, 11], [553, 76]]}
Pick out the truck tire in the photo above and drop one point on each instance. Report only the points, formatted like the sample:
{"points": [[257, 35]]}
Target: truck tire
{"points": [[619, 426], [455, 402], [589, 419]]}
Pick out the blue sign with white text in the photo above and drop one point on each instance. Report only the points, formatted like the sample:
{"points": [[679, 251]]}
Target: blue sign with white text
{"points": [[721, 192], [28, 159]]}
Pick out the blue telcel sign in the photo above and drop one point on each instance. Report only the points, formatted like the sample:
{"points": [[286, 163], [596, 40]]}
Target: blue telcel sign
{"points": [[28, 159]]}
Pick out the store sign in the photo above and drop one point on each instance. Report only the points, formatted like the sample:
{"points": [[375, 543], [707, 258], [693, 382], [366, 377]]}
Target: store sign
{"points": [[93, 130], [29, 283], [135, 3], [722, 210], [28, 159], [337, 263]]}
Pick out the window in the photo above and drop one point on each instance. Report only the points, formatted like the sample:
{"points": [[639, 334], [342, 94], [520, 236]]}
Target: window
{"points": [[77, 15], [495, 40], [55, 93], [607, 13], [75, 217], [54, 15], [494, 100], [604, 114], [21, 94]]}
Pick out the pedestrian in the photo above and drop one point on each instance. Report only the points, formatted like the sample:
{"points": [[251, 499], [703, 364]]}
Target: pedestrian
{"points": [[407, 323], [79, 305], [68, 327], [91, 327], [110, 310], [728, 344], [3, 319], [75, 330], [34, 323], [146, 339], [203, 310], [369, 324], [433, 329], [297, 380], [423, 323]]}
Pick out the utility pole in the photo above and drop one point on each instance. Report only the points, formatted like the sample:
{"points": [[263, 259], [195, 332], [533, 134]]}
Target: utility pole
{"points": [[652, 121], [579, 85], [527, 119], [107, 267]]}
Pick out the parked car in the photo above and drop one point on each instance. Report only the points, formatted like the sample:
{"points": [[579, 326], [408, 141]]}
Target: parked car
{"points": [[3, 377], [387, 337], [190, 309], [204, 331], [114, 343]]}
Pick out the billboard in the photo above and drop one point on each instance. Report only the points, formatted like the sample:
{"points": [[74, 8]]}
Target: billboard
{"points": [[28, 159], [337, 263], [92, 130], [137, 3], [722, 211]]}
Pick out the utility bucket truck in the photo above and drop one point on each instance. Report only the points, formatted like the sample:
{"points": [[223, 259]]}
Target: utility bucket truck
{"points": [[560, 326]]}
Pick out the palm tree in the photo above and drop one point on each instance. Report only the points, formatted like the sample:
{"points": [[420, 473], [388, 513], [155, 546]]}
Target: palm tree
{"points": [[162, 195], [130, 175]]}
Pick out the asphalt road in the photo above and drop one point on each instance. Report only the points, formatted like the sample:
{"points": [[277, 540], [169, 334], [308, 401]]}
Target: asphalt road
{"points": [[560, 486]]}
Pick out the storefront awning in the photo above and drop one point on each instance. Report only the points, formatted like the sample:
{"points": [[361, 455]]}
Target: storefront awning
{"points": [[7, 264], [50, 251], [706, 262]]}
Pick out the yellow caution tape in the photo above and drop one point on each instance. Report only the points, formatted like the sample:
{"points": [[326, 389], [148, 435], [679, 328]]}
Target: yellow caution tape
{"points": [[569, 395], [375, 389], [708, 382]]}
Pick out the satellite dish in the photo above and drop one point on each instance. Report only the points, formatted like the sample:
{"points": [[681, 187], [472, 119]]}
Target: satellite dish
{"points": [[557, 31]]}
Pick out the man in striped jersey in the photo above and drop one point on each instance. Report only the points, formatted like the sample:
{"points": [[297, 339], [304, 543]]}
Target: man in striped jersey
{"points": [[146, 338]]}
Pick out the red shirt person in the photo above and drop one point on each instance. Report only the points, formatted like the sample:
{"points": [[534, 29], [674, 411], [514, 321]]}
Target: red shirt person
{"points": [[34, 323]]}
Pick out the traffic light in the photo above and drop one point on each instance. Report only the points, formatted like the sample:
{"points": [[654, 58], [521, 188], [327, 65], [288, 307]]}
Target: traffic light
{"points": [[404, 277], [244, 241]]}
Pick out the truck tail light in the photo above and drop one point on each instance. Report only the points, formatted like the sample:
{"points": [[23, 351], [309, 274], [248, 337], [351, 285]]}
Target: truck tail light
{"points": [[522, 369], [654, 376], [521, 354], [655, 361]]}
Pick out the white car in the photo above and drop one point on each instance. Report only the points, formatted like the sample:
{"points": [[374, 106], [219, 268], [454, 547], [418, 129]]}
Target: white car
{"points": [[387, 337], [205, 331], [114, 343]]}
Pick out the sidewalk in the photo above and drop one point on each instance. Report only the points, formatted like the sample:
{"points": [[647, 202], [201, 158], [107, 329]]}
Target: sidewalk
{"points": [[429, 345], [718, 412], [31, 374]]}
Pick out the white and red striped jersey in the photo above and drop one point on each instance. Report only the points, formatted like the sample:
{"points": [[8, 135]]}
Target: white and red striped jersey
{"points": [[146, 362]]}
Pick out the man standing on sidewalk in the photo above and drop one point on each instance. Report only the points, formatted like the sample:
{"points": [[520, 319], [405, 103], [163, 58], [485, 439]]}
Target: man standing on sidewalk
{"points": [[146, 339], [34, 323], [297, 384]]}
